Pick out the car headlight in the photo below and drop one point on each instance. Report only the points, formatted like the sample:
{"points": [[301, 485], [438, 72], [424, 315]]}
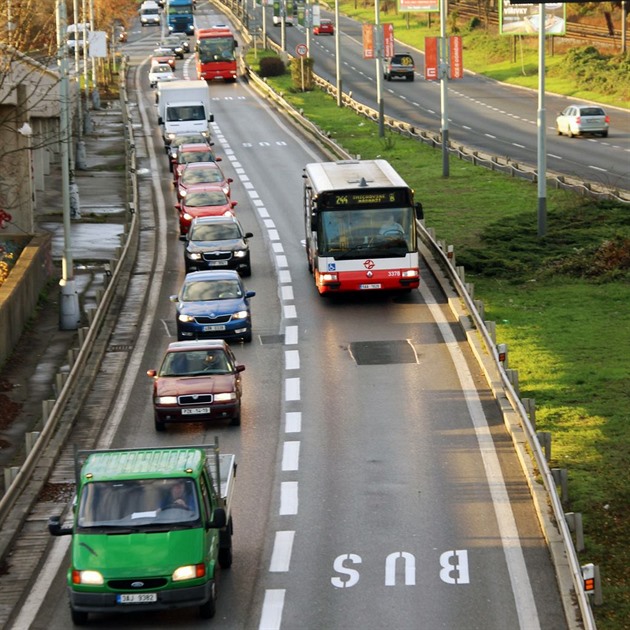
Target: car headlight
{"points": [[170, 136], [226, 190], [228, 213], [87, 577], [240, 253], [194, 255], [187, 216], [240, 315], [189, 572], [185, 318], [182, 192], [165, 400], [226, 397]]}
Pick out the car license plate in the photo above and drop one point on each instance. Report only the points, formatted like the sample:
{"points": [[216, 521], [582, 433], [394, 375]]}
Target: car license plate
{"points": [[136, 598], [218, 263], [370, 286], [213, 328], [194, 411]]}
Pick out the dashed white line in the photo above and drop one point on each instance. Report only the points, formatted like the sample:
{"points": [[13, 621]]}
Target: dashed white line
{"points": [[281, 554], [291, 360], [292, 389], [288, 498], [272, 609], [293, 422]]}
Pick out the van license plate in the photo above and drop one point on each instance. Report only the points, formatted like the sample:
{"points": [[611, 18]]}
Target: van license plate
{"points": [[369, 286], [195, 411], [136, 598]]}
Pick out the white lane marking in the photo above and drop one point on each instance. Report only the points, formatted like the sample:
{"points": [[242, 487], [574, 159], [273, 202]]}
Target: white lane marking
{"points": [[282, 262], [291, 456], [272, 609], [288, 498], [284, 276], [287, 292], [290, 335], [281, 555], [289, 311], [291, 360], [293, 422], [277, 247], [510, 541], [292, 389]]}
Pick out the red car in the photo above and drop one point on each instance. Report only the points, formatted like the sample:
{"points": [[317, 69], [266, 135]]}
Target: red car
{"points": [[326, 27], [202, 173], [189, 153], [197, 381], [203, 200]]}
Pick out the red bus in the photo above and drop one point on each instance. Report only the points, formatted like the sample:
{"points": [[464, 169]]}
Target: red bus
{"points": [[215, 53], [360, 220]]}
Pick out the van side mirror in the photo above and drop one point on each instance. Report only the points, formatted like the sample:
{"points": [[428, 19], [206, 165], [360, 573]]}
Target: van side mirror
{"points": [[419, 211], [55, 528], [219, 519]]}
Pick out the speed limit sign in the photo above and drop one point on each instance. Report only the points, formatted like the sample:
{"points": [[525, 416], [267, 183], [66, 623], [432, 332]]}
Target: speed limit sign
{"points": [[301, 50]]}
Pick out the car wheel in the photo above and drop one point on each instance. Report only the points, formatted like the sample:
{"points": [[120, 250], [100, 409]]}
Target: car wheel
{"points": [[570, 132], [236, 422], [209, 609], [159, 424], [410, 77], [248, 337], [558, 131], [247, 271], [605, 134], [79, 618]]}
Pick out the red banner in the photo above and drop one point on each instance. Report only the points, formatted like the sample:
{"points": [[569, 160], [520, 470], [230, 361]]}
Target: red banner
{"points": [[457, 57], [431, 58], [368, 41], [388, 40]]}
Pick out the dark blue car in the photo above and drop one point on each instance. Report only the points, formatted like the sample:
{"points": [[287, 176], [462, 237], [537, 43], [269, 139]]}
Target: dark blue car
{"points": [[213, 305]]}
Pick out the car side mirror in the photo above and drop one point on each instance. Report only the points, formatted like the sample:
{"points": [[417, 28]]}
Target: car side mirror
{"points": [[178, 206], [229, 180], [173, 298], [249, 235], [211, 118], [233, 204], [250, 294], [240, 368], [218, 159]]}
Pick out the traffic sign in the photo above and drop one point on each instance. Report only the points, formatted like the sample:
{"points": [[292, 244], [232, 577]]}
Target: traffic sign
{"points": [[301, 50]]}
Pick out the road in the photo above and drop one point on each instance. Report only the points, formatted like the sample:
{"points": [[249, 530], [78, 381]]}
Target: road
{"points": [[483, 115], [376, 483]]}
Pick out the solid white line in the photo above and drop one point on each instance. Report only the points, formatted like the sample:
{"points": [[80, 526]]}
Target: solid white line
{"points": [[281, 555], [272, 609], [291, 455], [291, 360], [510, 541]]}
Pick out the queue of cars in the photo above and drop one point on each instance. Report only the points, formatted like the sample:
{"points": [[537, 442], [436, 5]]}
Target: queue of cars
{"points": [[199, 378]]}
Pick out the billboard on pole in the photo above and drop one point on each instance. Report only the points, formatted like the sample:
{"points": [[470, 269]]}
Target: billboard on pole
{"points": [[524, 19], [428, 6]]}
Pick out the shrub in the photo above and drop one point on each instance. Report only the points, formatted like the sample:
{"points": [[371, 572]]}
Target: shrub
{"points": [[271, 67]]}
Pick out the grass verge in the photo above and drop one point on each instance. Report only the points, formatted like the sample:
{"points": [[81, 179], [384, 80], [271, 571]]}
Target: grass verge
{"points": [[560, 303]]}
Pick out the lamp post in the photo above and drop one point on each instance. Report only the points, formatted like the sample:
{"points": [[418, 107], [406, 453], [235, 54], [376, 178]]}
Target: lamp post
{"points": [[69, 315], [338, 56], [378, 45], [444, 89]]}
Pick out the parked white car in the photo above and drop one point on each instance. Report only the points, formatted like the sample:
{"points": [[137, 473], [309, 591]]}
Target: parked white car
{"points": [[160, 72], [576, 120]]}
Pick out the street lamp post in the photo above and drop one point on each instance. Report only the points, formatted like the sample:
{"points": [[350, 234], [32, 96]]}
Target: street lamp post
{"points": [[338, 56], [378, 46], [69, 315]]}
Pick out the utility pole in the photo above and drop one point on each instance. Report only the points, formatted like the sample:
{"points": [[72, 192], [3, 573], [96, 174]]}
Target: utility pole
{"points": [[378, 52], [444, 89], [542, 148], [338, 56], [69, 315]]}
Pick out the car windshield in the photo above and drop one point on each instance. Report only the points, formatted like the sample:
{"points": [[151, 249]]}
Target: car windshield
{"points": [[201, 175], [206, 198], [187, 157], [196, 363], [205, 290], [162, 68], [215, 232], [137, 505]]}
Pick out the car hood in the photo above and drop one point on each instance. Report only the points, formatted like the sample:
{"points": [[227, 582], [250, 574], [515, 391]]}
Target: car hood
{"points": [[216, 246], [206, 211], [206, 384], [213, 308]]}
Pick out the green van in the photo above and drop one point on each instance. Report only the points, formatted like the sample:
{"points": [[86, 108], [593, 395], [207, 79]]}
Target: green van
{"points": [[150, 528]]}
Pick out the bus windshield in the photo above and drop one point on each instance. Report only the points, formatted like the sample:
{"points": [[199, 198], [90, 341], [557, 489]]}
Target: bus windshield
{"points": [[216, 49], [346, 234]]}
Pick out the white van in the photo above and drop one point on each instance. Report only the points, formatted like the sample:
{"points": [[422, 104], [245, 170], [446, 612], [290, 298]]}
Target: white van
{"points": [[149, 13]]}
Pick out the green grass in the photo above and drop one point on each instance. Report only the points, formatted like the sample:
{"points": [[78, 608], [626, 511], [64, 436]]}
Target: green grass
{"points": [[560, 303]]}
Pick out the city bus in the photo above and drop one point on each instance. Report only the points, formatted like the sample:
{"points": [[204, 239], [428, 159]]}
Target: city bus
{"points": [[360, 221], [215, 53]]}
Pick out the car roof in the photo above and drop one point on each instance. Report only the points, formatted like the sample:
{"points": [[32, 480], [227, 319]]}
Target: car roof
{"points": [[196, 146], [197, 344], [205, 186], [213, 220], [194, 165], [215, 274]]}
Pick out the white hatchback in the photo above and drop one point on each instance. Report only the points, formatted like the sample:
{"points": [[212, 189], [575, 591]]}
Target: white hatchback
{"points": [[576, 120], [160, 72]]}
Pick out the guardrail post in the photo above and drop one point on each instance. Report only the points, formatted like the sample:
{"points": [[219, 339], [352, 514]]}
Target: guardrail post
{"points": [[574, 521], [450, 254], [29, 439], [513, 378], [470, 289], [460, 270], [592, 583], [47, 406], [544, 439], [9, 476], [502, 351], [481, 309], [492, 330], [60, 381], [561, 478], [530, 408]]}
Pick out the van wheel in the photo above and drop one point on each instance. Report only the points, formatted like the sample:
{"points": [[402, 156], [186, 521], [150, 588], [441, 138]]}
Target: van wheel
{"points": [[209, 609], [79, 618], [225, 546]]}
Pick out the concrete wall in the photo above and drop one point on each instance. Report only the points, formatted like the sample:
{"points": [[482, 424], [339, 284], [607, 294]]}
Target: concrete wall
{"points": [[20, 292]]}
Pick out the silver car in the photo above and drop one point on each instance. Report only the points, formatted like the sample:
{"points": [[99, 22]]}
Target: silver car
{"points": [[576, 120]]}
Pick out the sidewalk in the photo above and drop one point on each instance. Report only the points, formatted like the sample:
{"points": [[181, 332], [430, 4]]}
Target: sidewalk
{"points": [[30, 374]]}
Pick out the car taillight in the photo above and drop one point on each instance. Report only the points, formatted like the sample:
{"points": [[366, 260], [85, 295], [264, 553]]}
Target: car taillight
{"points": [[578, 120], [607, 120]]}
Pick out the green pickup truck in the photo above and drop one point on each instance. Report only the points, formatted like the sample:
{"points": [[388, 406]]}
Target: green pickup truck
{"points": [[150, 528]]}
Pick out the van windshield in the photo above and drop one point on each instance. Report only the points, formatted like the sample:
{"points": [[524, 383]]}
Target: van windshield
{"points": [[141, 504]]}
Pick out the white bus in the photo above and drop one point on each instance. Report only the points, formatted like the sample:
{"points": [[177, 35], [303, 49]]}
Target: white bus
{"points": [[360, 221]]}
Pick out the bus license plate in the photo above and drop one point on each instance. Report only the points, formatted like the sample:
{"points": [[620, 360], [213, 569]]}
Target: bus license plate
{"points": [[195, 411], [213, 328], [369, 286], [136, 598]]}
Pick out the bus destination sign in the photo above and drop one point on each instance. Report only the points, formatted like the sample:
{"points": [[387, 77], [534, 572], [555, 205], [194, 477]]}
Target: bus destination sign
{"points": [[372, 199]]}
